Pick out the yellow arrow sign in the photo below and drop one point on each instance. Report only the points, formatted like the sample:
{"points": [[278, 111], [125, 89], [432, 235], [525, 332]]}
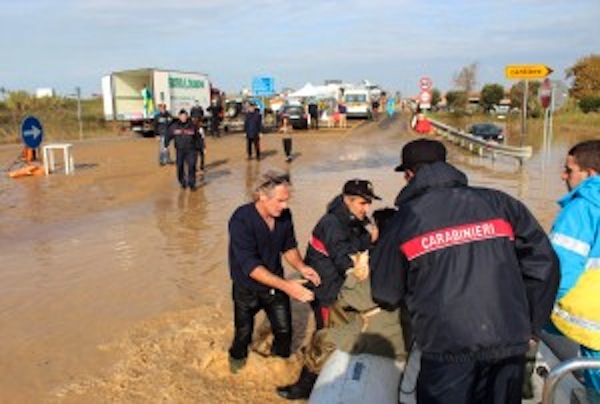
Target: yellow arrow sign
{"points": [[523, 72]]}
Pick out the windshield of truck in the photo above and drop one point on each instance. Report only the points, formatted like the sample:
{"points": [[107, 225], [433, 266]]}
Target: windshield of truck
{"points": [[356, 98]]}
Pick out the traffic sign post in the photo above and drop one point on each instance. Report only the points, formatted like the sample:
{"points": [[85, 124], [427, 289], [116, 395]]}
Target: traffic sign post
{"points": [[425, 99], [32, 132], [263, 86], [526, 72], [425, 83]]}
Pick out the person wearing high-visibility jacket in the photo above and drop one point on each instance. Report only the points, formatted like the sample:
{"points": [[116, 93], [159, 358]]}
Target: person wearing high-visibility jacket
{"points": [[575, 237]]}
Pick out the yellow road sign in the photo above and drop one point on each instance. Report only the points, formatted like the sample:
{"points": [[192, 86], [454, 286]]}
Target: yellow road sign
{"points": [[523, 72]]}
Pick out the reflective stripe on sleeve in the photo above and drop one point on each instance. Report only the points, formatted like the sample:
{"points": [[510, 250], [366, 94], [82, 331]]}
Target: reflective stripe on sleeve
{"points": [[577, 321], [593, 263], [570, 243]]}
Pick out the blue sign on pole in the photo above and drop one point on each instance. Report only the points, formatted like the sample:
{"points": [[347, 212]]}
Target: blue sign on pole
{"points": [[32, 132], [263, 86]]}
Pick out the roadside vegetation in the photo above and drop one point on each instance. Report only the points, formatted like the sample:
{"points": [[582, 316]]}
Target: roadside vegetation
{"points": [[57, 114]]}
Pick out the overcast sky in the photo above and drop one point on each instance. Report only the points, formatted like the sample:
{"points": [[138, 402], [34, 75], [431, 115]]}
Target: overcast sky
{"points": [[70, 43]]}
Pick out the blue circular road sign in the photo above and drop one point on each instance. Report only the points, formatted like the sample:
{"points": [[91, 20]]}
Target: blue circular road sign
{"points": [[32, 132]]}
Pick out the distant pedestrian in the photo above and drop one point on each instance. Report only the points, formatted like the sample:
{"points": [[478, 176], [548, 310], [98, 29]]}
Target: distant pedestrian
{"points": [[162, 120], [185, 135], [260, 234], [197, 114], [313, 112], [253, 128], [286, 130], [575, 236], [148, 102], [342, 110], [477, 273], [200, 146], [216, 113], [375, 109]]}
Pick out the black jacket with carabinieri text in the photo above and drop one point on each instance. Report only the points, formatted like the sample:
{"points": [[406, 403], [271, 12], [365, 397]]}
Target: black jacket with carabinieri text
{"points": [[475, 268]]}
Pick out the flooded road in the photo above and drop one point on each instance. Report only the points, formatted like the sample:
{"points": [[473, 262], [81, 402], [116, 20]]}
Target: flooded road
{"points": [[114, 283]]}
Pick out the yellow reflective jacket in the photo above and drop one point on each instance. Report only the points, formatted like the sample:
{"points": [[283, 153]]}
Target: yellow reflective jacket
{"points": [[577, 314]]}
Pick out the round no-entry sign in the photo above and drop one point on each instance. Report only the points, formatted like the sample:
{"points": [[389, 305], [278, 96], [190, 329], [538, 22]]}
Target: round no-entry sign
{"points": [[545, 93], [425, 83]]}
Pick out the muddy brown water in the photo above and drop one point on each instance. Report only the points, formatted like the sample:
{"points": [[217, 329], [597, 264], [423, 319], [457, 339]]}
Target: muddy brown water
{"points": [[114, 283]]}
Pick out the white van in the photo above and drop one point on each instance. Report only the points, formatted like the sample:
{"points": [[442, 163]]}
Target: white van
{"points": [[358, 103]]}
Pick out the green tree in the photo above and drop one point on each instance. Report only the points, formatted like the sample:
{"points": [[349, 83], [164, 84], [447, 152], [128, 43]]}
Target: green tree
{"points": [[436, 97], [457, 100], [586, 77], [589, 104], [534, 108], [491, 94]]}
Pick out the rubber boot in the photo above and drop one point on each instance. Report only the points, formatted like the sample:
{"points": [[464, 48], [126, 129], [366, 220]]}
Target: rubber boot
{"points": [[301, 389]]}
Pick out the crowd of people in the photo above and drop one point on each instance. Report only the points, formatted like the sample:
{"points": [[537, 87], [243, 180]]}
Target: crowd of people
{"points": [[463, 275]]}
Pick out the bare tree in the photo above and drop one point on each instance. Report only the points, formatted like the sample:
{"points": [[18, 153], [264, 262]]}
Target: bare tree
{"points": [[466, 79]]}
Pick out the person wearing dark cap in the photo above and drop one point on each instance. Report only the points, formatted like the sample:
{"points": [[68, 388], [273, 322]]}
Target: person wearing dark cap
{"points": [[346, 316], [477, 273], [185, 135]]}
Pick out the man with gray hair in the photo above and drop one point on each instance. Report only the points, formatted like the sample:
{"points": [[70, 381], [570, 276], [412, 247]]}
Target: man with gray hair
{"points": [[261, 232]]}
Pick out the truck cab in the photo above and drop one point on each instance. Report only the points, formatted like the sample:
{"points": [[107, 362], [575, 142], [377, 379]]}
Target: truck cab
{"points": [[358, 103]]}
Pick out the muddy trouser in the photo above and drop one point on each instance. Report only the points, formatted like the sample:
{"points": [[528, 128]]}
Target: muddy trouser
{"points": [[201, 157], [163, 151], [287, 146], [253, 142], [186, 157], [354, 331], [497, 381], [214, 127], [200, 146], [276, 305]]}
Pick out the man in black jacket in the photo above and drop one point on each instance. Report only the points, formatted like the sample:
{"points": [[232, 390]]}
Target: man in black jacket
{"points": [[347, 318], [260, 234], [477, 273], [253, 128], [186, 139]]}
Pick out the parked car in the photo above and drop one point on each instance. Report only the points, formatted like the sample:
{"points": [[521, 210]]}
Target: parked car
{"points": [[296, 116], [234, 116], [487, 131]]}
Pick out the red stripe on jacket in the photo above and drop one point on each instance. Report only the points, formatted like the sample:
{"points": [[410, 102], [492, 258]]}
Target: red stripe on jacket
{"points": [[456, 235], [318, 245]]}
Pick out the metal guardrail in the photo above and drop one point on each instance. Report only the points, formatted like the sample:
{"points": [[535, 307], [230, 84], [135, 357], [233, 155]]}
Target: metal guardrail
{"points": [[480, 146], [562, 370]]}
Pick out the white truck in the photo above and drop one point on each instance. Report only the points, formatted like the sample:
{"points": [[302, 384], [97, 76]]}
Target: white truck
{"points": [[358, 103], [134, 95]]}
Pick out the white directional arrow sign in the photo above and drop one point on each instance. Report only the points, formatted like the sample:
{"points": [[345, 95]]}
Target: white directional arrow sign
{"points": [[32, 132]]}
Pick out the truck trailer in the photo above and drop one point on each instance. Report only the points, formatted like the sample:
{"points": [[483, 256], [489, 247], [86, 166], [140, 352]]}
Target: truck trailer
{"points": [[133, 96]]}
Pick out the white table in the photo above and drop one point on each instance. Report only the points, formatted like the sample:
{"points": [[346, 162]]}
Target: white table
{"points": [[48, 152]]}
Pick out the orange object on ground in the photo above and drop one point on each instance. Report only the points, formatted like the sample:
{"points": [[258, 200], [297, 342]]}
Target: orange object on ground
{"points": [[26, 171]]}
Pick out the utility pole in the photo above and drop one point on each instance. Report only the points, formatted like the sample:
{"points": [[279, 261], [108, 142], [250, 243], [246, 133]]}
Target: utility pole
{"points": [[79, 120]]}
